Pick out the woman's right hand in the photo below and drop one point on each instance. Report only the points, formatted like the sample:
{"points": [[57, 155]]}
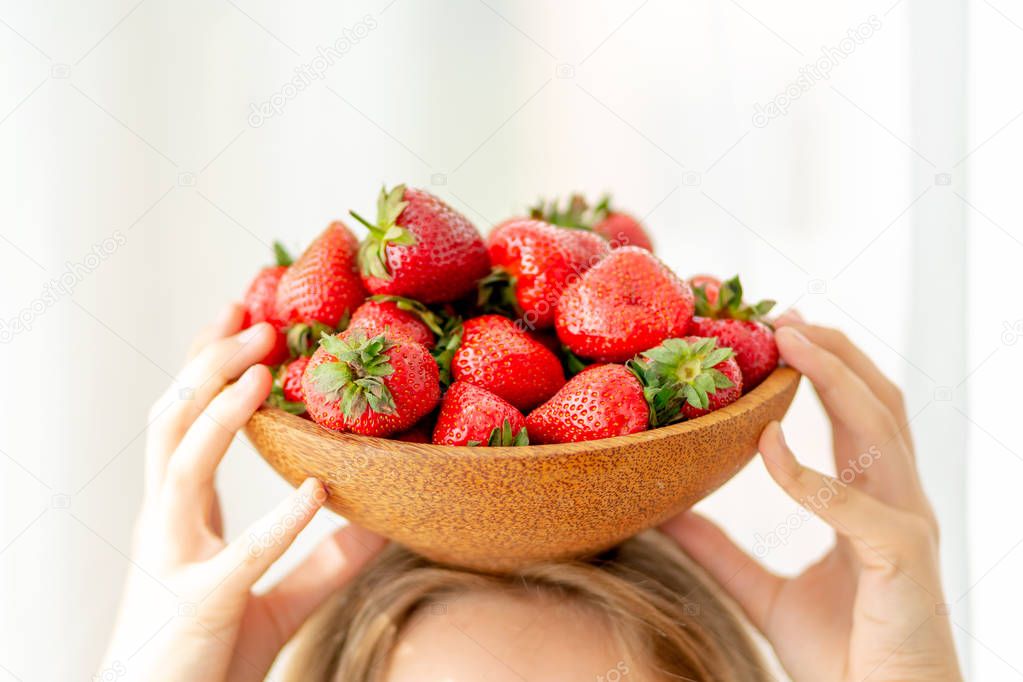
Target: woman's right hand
{"points": [[872, 608]]}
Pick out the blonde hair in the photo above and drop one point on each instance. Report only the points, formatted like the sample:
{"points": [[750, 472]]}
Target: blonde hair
{"points": [[672, 618]]}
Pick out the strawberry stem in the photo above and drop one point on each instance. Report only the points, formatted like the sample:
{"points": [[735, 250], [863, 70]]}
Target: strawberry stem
{"points": [[386, 231], [435, 321], [679, 372], [356, 377]]}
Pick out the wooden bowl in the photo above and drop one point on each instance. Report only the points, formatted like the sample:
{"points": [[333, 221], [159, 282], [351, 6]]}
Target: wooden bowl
{"points": [[496, 509]]}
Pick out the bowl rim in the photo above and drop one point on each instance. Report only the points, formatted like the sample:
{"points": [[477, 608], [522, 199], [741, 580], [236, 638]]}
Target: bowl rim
{"points": [[779, 380]]}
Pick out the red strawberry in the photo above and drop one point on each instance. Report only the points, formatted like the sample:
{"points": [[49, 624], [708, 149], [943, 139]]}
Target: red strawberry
{"points": [[693, 374], [470, 415], [323, 285], [602, 401], [533, 263], [420, 248], [620, 229], [724, 396], [496, 355], [705, 287], [736, 324], [259, 303], [626, 303], [287, 393], [753, 343], [722, 300], [398, 316], [260, 296], [374, 387], [679, 379], [591, 247], [291, 379]]}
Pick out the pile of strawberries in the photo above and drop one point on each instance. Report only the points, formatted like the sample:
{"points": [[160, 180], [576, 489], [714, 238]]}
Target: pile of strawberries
{"points": [[562, 326]]}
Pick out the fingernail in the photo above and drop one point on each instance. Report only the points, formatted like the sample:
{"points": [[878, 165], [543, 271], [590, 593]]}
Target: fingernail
{"points": [[252, 332], [790, 316], [311, 489], [795, 334], [250, 377]]}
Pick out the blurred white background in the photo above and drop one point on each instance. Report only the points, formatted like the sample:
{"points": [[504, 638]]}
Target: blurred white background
{"points": [[151, 150]]}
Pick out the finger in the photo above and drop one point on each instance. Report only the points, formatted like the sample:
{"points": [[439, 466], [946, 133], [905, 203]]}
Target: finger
{"points": [[859, 362], [188, 491], [198, 383], [869, 450], [790, 316], [334, 562], [882, 536], [228, 322], [241, 563], [214, 517], [752, 586], [846, 398]]}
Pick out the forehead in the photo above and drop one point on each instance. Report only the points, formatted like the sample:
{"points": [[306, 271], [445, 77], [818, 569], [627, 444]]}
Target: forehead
{"points": [[507, 636]]}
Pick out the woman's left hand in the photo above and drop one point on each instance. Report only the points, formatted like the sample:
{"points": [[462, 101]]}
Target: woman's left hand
{"points": [[188, 611]]}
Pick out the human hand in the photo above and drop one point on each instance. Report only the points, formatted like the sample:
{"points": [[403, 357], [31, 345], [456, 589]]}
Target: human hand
{"points": [[872, 608], [188, 611]]}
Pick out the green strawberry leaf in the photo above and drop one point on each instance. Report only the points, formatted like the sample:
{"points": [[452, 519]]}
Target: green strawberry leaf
{"points": [[356, 378], [571, 362], [303, 339], [277, 399], [502, 436], [281, 255], [495, 293], [576, 213], [444, 350], [729, 304], [432, 319], [373, 249], [679, 372]]}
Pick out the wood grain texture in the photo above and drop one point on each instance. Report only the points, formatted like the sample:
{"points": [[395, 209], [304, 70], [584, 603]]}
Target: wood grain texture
{"points": [[496, 509]]}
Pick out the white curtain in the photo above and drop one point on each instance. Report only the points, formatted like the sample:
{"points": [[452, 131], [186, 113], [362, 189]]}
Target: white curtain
{"points": [[837, 155]]}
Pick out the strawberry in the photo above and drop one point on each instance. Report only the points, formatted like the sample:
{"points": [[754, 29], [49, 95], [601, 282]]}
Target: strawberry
{"points": [[626, 303], [705, 287], [753, 342], [618, 228], [287, 393], [398, 316], [259, 302], [723, 300], [323, 285], [533, 263], [371, 386], [420, 248], [470, 415], [679, 379], [496, 355], [693, 375], [621, 229], [737, 325], [291, 379], [602, 401]]}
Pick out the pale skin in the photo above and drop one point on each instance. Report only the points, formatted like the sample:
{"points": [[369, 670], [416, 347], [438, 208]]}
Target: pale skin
{"points": [[868, 610]]}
